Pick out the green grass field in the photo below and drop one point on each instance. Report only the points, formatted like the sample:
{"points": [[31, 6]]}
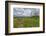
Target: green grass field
{"points": [[26, 22]]}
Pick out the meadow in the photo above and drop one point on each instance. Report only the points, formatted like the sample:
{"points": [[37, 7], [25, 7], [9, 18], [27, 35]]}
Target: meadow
{"points": [[24, 22]]}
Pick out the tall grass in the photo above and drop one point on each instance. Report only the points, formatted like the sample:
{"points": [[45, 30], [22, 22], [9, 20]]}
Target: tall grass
{"points": [[26, 22]]}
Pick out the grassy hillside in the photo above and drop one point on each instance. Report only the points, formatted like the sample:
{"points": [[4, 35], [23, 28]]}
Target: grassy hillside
{"points": [[26, 22]]}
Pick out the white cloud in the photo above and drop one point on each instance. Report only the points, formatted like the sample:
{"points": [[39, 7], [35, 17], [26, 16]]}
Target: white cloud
{"points": [[25, 11]]}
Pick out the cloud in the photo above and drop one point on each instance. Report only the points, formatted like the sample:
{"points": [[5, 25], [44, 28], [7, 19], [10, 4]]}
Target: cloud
{"points": [[25, 11]]}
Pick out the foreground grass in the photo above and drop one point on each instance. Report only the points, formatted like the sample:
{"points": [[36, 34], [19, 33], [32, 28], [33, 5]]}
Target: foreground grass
{"points": [[26, 22]]}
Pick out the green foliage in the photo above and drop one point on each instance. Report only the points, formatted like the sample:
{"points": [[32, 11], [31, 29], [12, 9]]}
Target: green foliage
{"points": [[26, 22]]}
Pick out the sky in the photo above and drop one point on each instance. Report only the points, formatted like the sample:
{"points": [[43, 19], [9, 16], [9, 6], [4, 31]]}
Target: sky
{"points": [[25, 11]]}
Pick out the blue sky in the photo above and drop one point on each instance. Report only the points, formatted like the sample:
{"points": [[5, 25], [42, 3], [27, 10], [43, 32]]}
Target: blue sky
{"points": [[24, 11]]}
